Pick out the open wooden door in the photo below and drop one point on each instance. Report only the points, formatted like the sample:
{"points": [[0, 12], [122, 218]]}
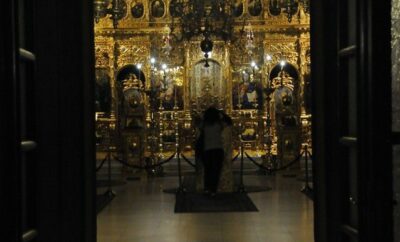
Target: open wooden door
{"points": [[351, 81], [47, 163]]}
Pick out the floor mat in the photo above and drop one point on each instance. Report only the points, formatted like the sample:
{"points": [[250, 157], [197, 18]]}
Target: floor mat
{"points": [[189, 185], [221, 202]]}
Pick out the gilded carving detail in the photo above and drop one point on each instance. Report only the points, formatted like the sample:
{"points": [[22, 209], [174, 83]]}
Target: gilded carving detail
{"points": [[286, 49], [240, 53], [132, 51], [172, 54], [104, 51], [305, 56]]}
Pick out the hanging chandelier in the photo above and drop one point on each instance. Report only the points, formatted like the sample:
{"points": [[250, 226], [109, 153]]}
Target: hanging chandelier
{"points": [[117, 10], [206, 18]]}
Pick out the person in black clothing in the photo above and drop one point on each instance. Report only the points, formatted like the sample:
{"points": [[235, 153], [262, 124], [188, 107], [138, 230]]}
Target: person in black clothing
{"points": [[211, 144]]}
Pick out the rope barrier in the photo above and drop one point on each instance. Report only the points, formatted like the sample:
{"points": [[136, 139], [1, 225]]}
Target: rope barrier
{"points": [[307, 189], [188, 161], [162, 162], [309, 154], [194, 166], [275, 170], [236, 156], [146, 166], [102, 163]]}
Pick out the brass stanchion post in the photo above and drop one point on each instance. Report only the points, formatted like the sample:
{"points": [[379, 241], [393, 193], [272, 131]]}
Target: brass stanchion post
{"points": [[241, 188], [109, 191], [306, 189]]}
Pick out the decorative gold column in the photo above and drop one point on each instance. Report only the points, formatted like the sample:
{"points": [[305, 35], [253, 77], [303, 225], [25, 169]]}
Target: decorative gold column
{"points": [[186, 79], [304, 46], [228, 78]]}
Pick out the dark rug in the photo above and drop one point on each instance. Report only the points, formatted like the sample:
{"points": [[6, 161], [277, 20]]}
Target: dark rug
{"points": [[102, 200], [189, 185], [222, 202]]}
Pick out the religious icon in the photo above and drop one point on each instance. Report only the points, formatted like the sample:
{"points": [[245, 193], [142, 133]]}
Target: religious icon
{"points": [[255, 7], [137, 9], [247, 92], [238, 8], [274, 7], [157, 8], [284, 108], [166, 90], [171, 94]]}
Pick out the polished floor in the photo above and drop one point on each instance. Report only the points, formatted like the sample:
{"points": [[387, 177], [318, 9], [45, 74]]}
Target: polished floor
{"points": [[142, 212]]}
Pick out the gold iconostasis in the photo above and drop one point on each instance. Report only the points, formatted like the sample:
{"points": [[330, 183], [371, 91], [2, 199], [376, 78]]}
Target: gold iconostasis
{"points": [[151, 87]]}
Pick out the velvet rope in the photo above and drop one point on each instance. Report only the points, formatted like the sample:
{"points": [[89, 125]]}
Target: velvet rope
{"points": [[236, 156], [187, 160], [274, 170], [102, 163], [309, 154], [146, 166]]}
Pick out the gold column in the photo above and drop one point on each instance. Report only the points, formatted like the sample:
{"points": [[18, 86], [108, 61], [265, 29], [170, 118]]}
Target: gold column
{"points": [[186, 81], [113, 74], [228, 78], [304, 44]]}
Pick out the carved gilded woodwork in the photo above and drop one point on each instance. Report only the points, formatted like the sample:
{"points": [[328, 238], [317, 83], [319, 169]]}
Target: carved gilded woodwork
{"points": [[104, 51], [241, 55], [173, 55], [133, 50], [305, 55], [282, 47]]}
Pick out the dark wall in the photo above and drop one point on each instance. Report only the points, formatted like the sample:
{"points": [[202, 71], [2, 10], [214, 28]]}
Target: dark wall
{"points": [[320, 58], [63, 40], [9, 125]]}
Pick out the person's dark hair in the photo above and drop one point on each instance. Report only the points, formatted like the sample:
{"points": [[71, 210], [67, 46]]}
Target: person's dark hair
{"points": [[211, 116]]}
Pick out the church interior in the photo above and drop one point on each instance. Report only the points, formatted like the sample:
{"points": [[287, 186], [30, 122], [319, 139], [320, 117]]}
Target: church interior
{"points": [[105, 108], [160, 64]]}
